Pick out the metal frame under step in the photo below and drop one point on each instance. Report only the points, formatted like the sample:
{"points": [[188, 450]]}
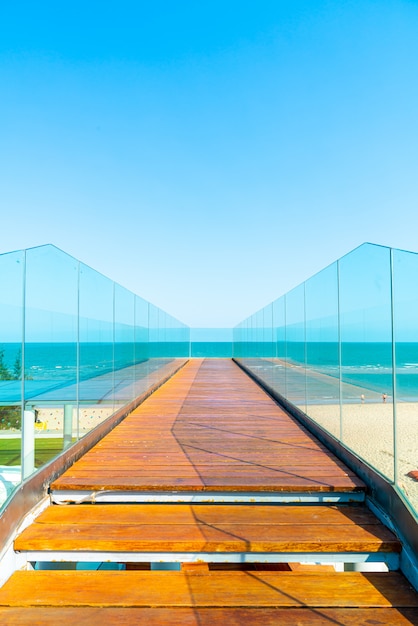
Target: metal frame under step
{"points": [[390, 559], [209, 497]]}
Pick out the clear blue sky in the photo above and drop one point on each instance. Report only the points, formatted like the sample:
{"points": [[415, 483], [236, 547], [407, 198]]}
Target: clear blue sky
{"points": [[209, 155]]}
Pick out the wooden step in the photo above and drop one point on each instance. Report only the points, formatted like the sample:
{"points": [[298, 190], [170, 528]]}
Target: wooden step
{"points": [[205, 532], [213, 589], [99, 616]]}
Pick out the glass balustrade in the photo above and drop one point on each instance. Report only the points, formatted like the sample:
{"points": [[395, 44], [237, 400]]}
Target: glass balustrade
{"points": [[342, 347], [74, 348], [346, 354]]}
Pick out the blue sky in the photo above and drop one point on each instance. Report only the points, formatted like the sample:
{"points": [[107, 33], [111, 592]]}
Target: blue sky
{"points": [[209, 155]]}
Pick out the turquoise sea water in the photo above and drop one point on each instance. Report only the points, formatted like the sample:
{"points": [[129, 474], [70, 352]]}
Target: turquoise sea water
{"points": [[367, 365]]}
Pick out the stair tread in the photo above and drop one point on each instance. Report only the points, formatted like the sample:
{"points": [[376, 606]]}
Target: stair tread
{"points": [[212, 589], [207, 528], [97, 616]]}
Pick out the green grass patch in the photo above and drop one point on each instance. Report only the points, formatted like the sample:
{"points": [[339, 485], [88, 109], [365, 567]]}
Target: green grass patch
{"points": [[46, 448]]}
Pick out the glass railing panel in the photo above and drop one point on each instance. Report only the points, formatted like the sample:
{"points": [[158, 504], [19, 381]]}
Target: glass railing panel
{"points": [[141, 345], [153, 330], [269, 348], [252, 338], [366, 356], [279, 373], [322, 349], [50, 354], [11, 335], [124, 373], [405, 272], [259, 323], [245, 338], [296, 347], [96, 349], [162, 335]]}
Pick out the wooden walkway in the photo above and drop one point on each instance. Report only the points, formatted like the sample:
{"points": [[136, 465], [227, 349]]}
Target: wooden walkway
{"points": [[211, 477], [209, 428]]}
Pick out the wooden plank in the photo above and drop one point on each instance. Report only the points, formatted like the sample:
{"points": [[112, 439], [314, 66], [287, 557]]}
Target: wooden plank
{"points": [[205, 528], [247, 482], [47, 616], [209, 427], [207, 617], [215, 589], [224, 538], [208, 514]]}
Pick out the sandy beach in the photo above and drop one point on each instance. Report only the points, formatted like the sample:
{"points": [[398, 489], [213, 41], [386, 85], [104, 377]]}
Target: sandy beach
{"points": [[367, 429], [51, 419]]}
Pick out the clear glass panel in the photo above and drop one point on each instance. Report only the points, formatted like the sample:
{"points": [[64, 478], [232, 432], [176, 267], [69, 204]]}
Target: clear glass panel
{"points": [[95, 349], [153, 346], [334, 358], [11, 335], [269, 349], [74, 347], [256, 326], [141, 346], [296, 347], [252, 337], [322, 349], [50, 352], [279, 374], [366, 355], [124, 346], [405, 272]]}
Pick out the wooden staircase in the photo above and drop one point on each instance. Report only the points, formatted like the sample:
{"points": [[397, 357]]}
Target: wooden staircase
{"points": [[197, 510]]}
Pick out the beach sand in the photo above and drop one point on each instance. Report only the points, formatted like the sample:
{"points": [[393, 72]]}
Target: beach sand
{"points": [[51, 419], [367, 430]]}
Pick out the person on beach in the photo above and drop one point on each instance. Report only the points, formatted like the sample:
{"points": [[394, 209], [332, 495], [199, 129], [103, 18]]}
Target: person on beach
{"points": [[384, 396]]}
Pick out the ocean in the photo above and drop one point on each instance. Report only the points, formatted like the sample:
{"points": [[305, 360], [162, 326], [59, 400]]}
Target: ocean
{"points": [[367, 365]]}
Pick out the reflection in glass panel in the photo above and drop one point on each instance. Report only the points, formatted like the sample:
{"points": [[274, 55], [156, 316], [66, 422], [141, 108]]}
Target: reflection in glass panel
{"points": [[153, 332], [280, 366], [322, 349], [366, 355], [51, 333], [405, 271], [95, 349], [11, 333], [141, 346], [295, 347], [252, 336], [269, 349], [124, 349]]}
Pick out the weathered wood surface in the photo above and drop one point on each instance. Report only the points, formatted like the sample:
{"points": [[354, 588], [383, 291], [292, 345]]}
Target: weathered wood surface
{"points": [[207, 528], [87, 616], [209, 428], [213, 589]]}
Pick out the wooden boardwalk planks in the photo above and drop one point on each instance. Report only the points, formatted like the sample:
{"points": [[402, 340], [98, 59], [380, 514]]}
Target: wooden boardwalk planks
{"points": [[98, 616], [209, 428], [198, 528], [213, 589]]}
